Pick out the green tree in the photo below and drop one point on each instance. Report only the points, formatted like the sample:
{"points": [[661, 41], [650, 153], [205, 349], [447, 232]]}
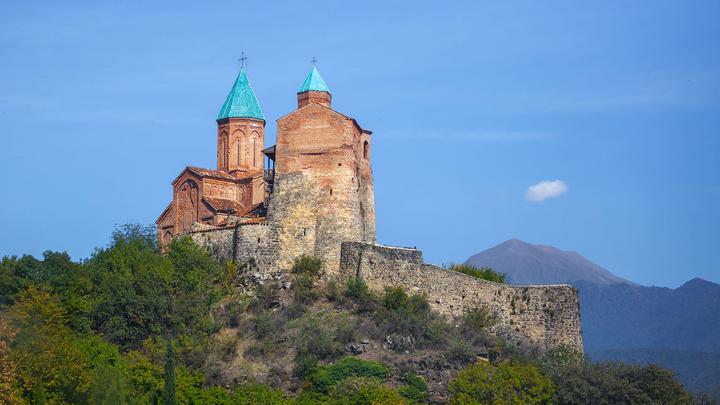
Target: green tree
{"points": [[168, 397], [8, 370], [507, 383], [581, 382]]}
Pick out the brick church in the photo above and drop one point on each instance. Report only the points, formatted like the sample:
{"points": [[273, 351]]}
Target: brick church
{"points": [[315, 197], [314, 192]]}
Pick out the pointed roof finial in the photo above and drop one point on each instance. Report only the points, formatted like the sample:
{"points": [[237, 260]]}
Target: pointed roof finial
{"points": [[313, 61]]}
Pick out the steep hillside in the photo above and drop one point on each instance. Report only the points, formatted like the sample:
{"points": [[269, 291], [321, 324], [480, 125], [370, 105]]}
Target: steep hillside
{"points": [[525, 263]]}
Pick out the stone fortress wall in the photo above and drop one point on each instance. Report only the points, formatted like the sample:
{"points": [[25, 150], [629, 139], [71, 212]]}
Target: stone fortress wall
{"points": [[543, 316], [245, 244], [533, 316]]}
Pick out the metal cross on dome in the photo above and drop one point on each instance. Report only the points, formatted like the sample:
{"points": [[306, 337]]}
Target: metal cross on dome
{"points": [[242, 60]]}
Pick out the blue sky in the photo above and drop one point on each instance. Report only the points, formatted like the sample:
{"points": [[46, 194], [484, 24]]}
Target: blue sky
{"points": [[471, 103]]}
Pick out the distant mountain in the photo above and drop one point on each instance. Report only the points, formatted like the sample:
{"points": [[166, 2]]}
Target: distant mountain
{"points": [[524, 263], [675, 328], [622, 316]]}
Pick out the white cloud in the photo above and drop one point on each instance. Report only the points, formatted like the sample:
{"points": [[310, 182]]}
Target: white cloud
{"points": [[545, 189]]}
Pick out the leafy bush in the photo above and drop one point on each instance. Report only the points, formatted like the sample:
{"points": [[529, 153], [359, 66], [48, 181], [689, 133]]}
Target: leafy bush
{"points": [[484, 273], [364, 390], [332, 291], [474, 325], [265, 297], [304, 292], [415, 390], [358, 292], [460, 351], [259, 394], [307, 265], [508, 382], [324, 378], [409, 315], [580, 382], [315, 342], [346, 327], [262, 324]]}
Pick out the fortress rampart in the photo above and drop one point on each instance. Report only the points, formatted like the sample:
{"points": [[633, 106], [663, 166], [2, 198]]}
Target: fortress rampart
{"points": [[542, 316]]}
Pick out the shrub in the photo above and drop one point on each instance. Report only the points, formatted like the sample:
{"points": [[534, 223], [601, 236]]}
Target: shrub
{"points": [[508, 382], [484, 273], [324, 378], [474, 323], [357, 291], [363, 390], [304, 364], [266, 297], [346, 328], [262, 324], [416, 390], [409, 315], [316, 341], [259, 394], [332, 292], [307, 265], [578, 381], [459, 351], [303, 290]]}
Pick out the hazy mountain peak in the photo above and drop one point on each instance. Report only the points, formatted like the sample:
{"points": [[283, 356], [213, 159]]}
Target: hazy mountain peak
{"points": [[526, 263]]}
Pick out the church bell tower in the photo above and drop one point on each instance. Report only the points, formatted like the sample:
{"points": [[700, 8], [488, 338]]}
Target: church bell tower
{"points": [[241, 130]]}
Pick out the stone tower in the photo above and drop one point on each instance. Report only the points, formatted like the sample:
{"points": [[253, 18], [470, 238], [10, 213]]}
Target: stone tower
{"points": [[323, 188]]}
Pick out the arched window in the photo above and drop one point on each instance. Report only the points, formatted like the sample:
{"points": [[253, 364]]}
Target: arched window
{"points": [[253, 148], [366, 149], [222, 151], [238, 138], [238, 151]]}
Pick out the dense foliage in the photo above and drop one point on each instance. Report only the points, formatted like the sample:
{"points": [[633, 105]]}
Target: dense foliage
{"points": [[579, 381], [505, 383], [484, 273], [132, 325]]}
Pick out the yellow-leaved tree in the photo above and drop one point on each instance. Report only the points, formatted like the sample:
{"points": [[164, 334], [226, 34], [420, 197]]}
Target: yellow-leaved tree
{"points": [[49, 367]]}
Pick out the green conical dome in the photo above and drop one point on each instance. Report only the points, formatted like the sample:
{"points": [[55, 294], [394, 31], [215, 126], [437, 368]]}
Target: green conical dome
{"points": [[314, 82], [241, 102]]}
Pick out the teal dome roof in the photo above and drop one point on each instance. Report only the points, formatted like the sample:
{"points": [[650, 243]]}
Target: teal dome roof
{"points": [[241, 102], [314, 82]]}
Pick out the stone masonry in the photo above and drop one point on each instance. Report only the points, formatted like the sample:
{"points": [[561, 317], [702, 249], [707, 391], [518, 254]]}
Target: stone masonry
{"points": [[316, 198], [534, 316]]}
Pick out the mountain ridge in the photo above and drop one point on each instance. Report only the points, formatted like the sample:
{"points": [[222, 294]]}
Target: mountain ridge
{"points": [[525, 263], [674, 327]]}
